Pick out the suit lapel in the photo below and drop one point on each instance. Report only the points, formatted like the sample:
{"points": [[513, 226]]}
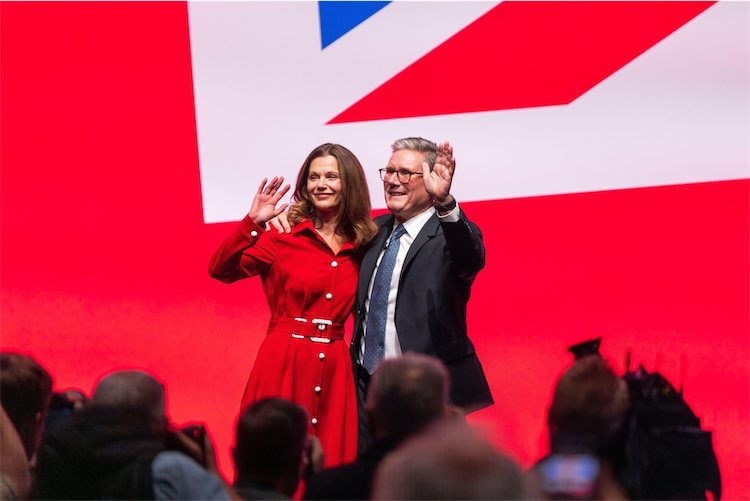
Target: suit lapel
{"points": [[371, 257], [429, 230]]}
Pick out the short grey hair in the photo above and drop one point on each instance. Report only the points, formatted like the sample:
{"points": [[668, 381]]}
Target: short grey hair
{"points": [[420, 144]]}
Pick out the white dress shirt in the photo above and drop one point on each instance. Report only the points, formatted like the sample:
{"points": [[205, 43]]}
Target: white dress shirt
{"points": [[413, 226]]}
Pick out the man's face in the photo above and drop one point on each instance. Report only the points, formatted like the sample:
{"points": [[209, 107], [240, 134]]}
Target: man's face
{"points": [[406, 200]]}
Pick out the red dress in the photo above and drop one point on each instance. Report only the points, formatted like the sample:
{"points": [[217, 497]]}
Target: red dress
{"points": [[310, 291]]}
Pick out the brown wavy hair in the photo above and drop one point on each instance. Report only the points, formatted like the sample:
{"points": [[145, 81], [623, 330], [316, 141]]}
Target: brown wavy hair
{"points": [[355, 222]]}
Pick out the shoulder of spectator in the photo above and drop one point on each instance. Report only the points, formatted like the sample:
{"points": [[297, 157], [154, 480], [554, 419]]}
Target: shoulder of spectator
{"points": [[177, 476]]}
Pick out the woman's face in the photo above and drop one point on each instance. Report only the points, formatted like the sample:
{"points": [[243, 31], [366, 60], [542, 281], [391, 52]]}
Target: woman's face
{"points": [[324, 184]]}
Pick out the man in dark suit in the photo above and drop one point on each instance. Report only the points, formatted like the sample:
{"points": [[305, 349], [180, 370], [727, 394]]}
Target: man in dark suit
{"points": [[407, 395], [420, 305]]}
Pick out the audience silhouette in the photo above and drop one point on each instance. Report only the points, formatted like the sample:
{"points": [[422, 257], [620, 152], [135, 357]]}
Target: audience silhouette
{"points": [[25, 391], [272, 449], [15, 474], [449, 460], [120, 443], [585, 420], [115, 447], [405, 395]]}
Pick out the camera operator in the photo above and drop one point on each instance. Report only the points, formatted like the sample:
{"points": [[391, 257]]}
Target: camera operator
{"points": [[585, 419], [120, 446]]}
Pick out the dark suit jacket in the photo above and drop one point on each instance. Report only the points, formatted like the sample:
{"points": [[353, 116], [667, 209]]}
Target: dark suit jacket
{"points": [[434, 290]]}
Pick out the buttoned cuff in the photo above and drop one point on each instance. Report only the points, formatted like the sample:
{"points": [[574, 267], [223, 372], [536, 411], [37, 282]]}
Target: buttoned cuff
{"points": [[250, 229]]}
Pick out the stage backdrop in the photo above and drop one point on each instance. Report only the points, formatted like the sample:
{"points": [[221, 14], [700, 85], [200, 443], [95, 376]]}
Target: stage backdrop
{"points": [[602, 148]]}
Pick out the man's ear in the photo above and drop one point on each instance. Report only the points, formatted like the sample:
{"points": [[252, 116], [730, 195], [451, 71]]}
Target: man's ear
{"points": [[454, 412], [312, 457], [304, 459], [38, 427]]}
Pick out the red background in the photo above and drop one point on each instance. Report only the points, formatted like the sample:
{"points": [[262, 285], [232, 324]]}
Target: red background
{"points": [[103, 251]]}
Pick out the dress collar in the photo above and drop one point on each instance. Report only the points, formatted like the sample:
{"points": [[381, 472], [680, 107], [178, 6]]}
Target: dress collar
{"points": [[307, 226]]}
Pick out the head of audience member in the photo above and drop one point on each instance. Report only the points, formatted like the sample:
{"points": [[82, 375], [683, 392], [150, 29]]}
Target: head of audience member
{"points": [[406, 394], [25, 391], [449, 460], [63, 403], [117, 446], [403, 182], [141, 393], [588, 407], [333, 171], [270, 445], [132, 389]]}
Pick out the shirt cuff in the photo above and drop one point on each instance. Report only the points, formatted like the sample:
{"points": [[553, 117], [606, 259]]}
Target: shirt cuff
{"points": [[452, 216]]}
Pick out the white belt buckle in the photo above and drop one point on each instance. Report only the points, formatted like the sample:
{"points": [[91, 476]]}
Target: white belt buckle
{"points": [[322, 323], [297, 336]]}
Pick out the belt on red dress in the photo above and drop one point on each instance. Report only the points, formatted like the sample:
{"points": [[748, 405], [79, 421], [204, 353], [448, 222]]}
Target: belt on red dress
{"points": [[318, 330]]}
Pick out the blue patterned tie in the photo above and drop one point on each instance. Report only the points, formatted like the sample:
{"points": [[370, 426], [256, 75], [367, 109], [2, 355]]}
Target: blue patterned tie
{"points": [[377, 312]]}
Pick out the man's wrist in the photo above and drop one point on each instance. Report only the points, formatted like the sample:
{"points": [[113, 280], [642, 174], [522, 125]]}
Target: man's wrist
{"points": [[446, 205]]}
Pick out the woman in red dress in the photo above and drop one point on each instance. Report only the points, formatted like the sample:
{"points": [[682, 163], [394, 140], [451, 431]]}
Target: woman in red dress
{"points": [[310, 278]]}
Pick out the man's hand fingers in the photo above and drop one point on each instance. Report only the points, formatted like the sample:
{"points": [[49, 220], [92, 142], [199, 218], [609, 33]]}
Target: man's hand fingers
{"points": [[279, 222], [283, 219], [279, 210]]}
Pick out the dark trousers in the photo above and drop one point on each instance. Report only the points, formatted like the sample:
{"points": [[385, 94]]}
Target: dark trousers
{"points": [[362, 382]]}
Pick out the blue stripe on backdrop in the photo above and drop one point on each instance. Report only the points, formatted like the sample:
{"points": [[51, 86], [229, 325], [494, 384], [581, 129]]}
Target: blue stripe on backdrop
{"points": [[338, 18]]}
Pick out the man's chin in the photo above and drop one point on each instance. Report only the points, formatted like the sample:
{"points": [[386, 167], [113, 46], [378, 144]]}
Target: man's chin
{"points": [[393, 206]]}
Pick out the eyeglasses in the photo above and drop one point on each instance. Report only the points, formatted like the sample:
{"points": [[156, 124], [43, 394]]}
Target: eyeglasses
{"points": [[404, 176]]}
